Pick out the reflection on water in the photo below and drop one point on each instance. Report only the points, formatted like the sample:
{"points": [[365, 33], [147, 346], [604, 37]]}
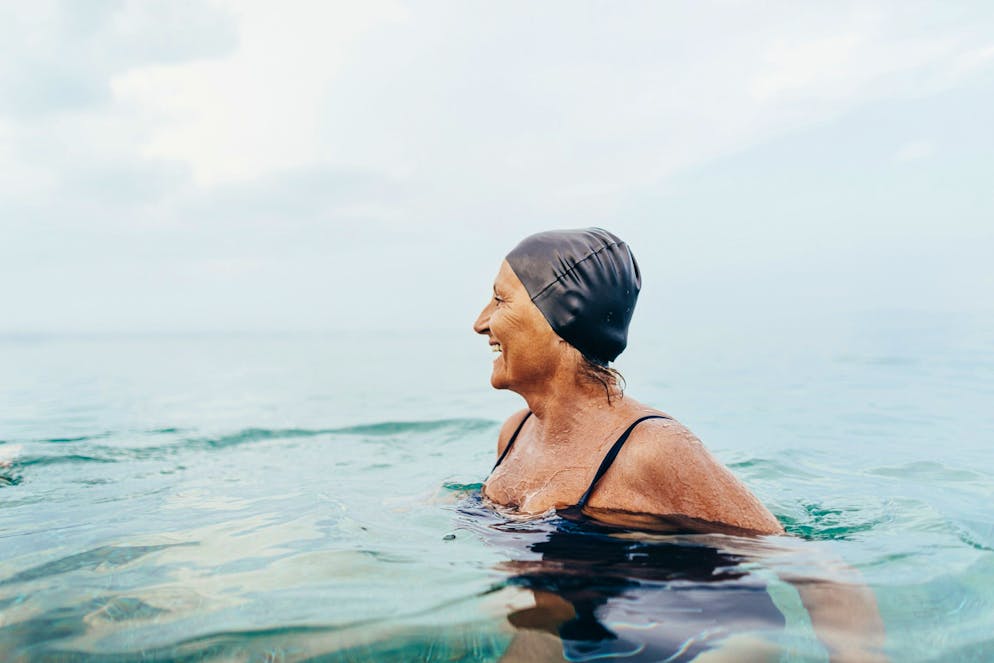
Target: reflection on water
{"points": [[634, 597], [646, 601]]}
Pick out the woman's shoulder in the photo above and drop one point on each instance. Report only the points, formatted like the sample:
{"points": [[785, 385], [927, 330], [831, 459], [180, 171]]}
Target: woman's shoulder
{"points": [[661, 445], [669, 470], [662, 436], [656, 444], [661, 424]]}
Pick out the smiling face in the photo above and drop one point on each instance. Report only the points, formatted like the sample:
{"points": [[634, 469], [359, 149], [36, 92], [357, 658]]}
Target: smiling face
{"points": [[528, 351]]}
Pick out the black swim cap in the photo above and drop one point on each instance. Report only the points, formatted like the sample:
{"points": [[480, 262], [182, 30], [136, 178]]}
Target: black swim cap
{"points": [[585, 282]]}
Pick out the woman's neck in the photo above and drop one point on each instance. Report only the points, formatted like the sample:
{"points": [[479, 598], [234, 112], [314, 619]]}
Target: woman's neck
{"points": [[561, 411]]}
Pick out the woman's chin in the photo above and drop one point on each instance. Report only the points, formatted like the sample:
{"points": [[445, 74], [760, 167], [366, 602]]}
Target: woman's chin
{"points": [[497, 379]]}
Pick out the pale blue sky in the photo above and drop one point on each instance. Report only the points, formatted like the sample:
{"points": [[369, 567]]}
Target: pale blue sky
{"points": [[317, 165]]}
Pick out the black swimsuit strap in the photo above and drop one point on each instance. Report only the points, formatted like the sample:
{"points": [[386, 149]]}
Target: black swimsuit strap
{"points": [[609, 458], [511, 441]]}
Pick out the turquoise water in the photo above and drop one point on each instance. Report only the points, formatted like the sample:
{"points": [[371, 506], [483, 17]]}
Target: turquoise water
{"points": [[313, 497]]}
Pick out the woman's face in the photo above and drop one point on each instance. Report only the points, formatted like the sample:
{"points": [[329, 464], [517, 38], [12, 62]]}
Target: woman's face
{"points": [[528, 351]]}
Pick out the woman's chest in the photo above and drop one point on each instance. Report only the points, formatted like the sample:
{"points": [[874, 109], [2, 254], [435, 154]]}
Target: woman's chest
{"points": [[533, 483]]}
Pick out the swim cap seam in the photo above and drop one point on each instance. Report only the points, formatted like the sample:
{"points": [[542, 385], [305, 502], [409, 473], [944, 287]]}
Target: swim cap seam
{"points": [[573, 268]]}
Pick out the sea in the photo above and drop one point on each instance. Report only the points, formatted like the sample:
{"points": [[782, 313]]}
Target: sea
{"points": [[316, 497]]}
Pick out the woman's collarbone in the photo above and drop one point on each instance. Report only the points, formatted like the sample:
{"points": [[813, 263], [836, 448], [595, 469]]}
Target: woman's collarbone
{"points": [[538, 488]]}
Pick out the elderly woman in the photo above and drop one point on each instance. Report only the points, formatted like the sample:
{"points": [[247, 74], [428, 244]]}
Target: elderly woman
{"points": [[561, 305], [559, 314]]}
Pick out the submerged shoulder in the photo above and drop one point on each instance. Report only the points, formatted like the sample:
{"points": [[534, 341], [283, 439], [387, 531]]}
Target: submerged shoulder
{"points": [[507, 429]]}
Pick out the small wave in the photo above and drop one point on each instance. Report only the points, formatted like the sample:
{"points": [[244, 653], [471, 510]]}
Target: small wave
{"points": [[452, 429], [80, 438], [380, 429], [264, 644], [104, 556], [9, 479], [384, 429], [928, 470], [334, 642], [770, 468], [58, 460], [126, 609], [72, 439], [8, 457], [461, 487], [976, 534], [821, 523], [108, 453]]}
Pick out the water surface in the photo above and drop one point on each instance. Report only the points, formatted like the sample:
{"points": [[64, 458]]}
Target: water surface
{"points": [[314, 496]]}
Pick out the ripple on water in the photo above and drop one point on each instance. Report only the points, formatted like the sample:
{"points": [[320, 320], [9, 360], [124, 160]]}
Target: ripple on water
{"points": [[929, 470], [771, 469], [818, 522], [102, 557], [126, 447]]}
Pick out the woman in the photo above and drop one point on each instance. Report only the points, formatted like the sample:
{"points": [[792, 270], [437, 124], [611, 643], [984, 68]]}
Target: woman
{"points": [[559, 314]]}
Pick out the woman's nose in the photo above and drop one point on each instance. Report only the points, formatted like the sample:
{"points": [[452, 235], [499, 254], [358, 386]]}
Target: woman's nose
{"points": [[482, 324]]}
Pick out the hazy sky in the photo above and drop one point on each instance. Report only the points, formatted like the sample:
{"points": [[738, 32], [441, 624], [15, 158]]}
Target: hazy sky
{"points": [[320, 165]]}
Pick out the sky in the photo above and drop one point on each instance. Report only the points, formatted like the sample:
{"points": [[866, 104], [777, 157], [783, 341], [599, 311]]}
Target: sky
{"points": [[260, 166]]}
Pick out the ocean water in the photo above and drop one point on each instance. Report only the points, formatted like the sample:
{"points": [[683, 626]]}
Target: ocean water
{"points": [[314, 497]]}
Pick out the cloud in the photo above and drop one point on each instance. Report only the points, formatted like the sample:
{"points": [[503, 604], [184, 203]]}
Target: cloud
{"points": [[170, 164], [476, 91], [915, 150], [973, 60], [258, 109], [60, 56], [496, 103]]}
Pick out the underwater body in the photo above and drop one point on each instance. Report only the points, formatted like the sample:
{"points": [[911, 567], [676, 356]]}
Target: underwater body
{"points": [[307, 497]]}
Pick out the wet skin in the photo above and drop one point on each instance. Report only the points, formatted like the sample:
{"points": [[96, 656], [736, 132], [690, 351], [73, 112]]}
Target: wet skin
{"points": [[663, 475], [663, 470]]}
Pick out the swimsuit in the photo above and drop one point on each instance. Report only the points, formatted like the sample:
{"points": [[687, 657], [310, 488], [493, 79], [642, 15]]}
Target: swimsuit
{"points": [[634, 600], [601, 471]]}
